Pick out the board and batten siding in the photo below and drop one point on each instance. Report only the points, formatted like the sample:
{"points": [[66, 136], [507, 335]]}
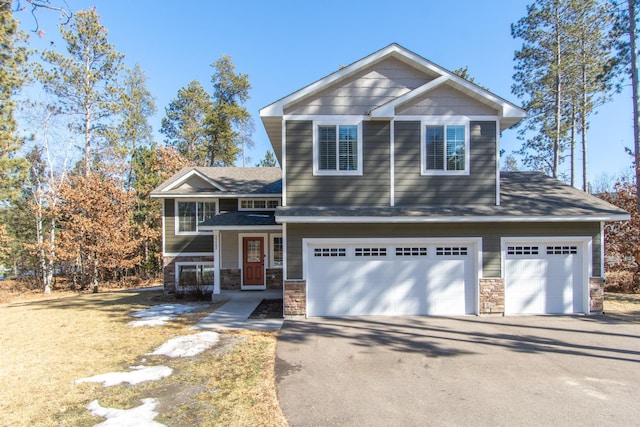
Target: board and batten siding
{"points": [[491, 233], [477, 188], [182, 244], [369, 189], [369, 88]]}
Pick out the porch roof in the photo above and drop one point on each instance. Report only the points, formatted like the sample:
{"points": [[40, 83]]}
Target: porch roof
{"points": [[231, 220]]}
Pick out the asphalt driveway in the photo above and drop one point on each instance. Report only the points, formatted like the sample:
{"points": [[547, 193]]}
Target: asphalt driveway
{"points": [[376, 371]]}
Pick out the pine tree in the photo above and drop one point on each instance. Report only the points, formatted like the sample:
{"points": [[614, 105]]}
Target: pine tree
{"points": [[86, 81], [13, 59], [268, 161], [183, 124]]}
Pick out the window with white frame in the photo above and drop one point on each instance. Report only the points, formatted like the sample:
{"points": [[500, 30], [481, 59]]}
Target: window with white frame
{"points": [[258, 204], [191, 213], [194, 274], [445, 149], [277, 250], [337, 149]]}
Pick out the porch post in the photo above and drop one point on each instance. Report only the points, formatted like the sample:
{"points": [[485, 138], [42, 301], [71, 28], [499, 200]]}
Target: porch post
{"points": [[216, 262]]}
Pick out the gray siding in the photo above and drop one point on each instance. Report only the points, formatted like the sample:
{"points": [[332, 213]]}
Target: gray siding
{"points": [[229, 247], [369, 88], [491, 233], [370, 189], [412, 188], [176, 244], [443, 101], [228, 205]]}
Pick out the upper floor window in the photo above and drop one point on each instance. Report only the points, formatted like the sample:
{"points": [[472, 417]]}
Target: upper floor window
{"points": [[337, 149], [258, 204], [192, 213], [445, 150]]}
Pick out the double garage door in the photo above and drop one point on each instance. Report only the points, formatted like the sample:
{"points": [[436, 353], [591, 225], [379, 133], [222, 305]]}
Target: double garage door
{"points": [[365, 277], [428, 277]]}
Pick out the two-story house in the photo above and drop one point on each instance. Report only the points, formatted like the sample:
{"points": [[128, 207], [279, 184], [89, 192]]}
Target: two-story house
{"points": [[392, 203]]}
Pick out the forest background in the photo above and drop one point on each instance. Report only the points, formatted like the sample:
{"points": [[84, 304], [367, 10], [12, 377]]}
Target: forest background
{"points": [[79, 154]]}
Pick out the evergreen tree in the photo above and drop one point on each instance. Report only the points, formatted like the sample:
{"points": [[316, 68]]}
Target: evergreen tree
{"points": [[86, 81], [229, 115], [13, 59], [268, 161], [183, 124]]}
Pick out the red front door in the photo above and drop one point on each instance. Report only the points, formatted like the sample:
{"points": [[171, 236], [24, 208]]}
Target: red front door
{"points": [[253, 261]]}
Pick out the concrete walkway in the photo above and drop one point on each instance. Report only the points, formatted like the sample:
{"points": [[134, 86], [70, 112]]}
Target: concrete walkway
{"points": [[234, 314]]}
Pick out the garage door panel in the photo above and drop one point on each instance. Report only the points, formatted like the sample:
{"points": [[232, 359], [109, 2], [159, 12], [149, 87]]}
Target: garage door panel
{"points": [[391, 280], [544, 278]]}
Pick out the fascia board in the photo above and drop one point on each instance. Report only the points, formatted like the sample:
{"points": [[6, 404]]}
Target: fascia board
{"points": [[189, 175], [444, 219]]}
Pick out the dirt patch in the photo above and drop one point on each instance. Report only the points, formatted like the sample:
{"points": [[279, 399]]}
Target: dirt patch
{"points": [[268, 309]]}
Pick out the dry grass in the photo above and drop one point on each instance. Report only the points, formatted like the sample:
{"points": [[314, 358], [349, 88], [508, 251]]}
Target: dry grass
{"points": [[622, 306], [47, 344]]}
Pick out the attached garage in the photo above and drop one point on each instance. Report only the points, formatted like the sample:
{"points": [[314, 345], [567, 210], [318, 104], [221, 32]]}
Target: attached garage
{"points": [[546, 276], [385, 277]]}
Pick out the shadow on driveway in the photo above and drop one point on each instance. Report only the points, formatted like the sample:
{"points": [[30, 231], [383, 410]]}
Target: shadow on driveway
{"points": [[453, 371]]}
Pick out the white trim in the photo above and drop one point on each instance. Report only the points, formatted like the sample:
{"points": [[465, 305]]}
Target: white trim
{"points": [[497, 163], [277, 108], [284, 253], [587, 258], [392, 162], [602, 250], [284, 162], [443, 119], [476, 242], [445, 122], [187, 254], [272, 237], [265, 249], [210, 228], [337, 121], [210, 195], [217, 262], [441, 219], [178, 264], [176, 217], [190, 174], [388, 110], [164, 230]]}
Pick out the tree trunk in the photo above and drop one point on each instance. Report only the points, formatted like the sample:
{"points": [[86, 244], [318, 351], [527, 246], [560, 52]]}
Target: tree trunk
{"points": [[558, 100], [634, 88]]}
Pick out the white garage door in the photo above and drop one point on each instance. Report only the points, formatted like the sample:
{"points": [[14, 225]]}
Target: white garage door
{"points": [[364, 278], [544, 278]]}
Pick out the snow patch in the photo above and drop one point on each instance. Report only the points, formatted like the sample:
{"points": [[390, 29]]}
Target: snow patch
{"points": [[141, 416], [161, 314], [187, 345], [138, 375]]}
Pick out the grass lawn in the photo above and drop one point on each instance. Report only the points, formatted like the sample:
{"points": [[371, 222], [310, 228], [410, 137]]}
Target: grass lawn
{"points": [[47, 344]]}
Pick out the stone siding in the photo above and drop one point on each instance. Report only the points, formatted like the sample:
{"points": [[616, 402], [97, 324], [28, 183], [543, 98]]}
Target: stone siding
{"points": [[295, 298], [229, 279], [492, 296], [274, 278], [596, 295]]}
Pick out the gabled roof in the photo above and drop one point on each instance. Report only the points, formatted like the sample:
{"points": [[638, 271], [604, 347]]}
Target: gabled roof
{"points": [[222, 182], [525, 197], [509, 113]]}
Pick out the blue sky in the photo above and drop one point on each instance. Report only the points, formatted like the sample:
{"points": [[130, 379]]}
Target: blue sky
{"points": [[285, 45]]}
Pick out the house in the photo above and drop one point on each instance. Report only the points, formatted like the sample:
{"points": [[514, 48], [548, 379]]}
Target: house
{"points": [[219, 230], [391, 202]]}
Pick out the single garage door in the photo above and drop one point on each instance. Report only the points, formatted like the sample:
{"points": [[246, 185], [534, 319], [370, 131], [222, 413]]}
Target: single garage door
{"points": [[544, 278], [354, 278]]}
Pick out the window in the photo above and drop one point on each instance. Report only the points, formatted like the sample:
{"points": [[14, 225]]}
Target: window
{"points": [[522, 250], [562, 250], [329, 252], [190, 214], [194, 275], [371, 251], [337, 149], [451, 251], [411, 251], [276, 251], [258, 204], [445, 149]]}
